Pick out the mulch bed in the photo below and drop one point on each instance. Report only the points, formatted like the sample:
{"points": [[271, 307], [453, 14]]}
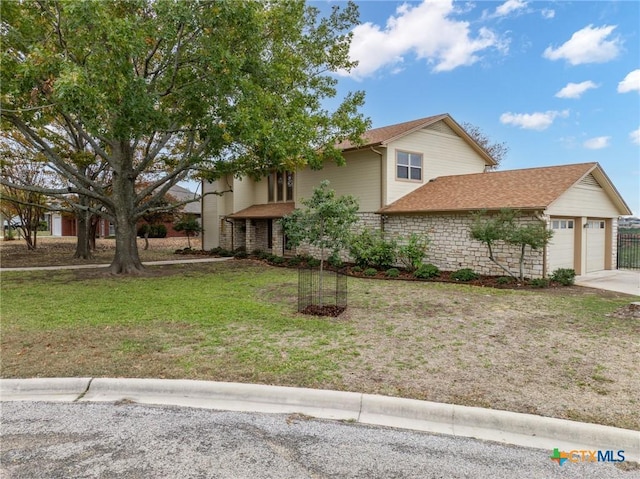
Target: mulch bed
{"points": [[326, 310]]}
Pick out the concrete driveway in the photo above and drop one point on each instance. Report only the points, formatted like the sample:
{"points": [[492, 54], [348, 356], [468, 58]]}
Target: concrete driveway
{"points": [[620, 280]]}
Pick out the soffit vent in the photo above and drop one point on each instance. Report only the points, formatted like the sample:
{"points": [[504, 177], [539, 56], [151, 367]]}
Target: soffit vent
{"points": [[589, 180]]}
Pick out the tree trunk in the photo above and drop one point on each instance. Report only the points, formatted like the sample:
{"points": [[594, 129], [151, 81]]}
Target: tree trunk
{"points": [[82, 244], [126, 259]]}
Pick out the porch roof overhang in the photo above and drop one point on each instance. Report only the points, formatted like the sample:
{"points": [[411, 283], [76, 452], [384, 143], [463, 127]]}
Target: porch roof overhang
{"points": [[265, 211]]}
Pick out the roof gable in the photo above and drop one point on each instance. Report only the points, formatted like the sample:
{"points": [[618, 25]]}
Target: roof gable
{"points": [[384, 135], [526, 189]]}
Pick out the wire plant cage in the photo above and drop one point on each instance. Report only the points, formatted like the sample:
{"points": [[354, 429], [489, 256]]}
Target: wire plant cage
{"points": [[324, 295]]}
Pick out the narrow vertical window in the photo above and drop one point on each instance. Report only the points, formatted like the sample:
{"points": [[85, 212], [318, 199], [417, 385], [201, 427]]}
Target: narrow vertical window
{"points": [[289, 186], [271, 188], [280, 186]]}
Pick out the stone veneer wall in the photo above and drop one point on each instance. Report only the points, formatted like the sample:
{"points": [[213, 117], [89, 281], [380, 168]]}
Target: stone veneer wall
{"points": [[370, 221], [451, 248]]}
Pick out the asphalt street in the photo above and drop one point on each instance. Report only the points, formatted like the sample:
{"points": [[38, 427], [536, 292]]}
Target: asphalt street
{"points": [[124, 440]]}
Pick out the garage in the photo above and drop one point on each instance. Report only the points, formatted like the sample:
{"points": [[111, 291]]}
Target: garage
{"points": [[561, 248], [595, 245]]}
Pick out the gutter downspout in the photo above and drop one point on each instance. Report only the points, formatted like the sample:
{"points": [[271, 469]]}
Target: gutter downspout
{"points": [[383, 175]]}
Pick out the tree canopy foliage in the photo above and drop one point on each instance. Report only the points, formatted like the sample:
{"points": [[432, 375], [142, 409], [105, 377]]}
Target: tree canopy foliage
{"points": [[504, 227], [157, 90]]}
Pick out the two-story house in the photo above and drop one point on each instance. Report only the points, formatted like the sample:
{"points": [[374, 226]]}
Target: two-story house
{"points": [[427, 176]]}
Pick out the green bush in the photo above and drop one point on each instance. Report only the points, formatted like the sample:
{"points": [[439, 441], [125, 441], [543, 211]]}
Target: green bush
{"points": [[370, 249], [277, 259], [464, 274], [412, 253], [392, 273], [427, 271], [294, 262], [313, 263], [153, 231], [540, 283], [564, 276], [335, 261], [370, 272], [504, 280], [356, 269], [241, 255]]}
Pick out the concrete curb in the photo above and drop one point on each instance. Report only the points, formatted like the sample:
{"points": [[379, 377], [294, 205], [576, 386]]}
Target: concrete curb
{"points": [[487, 424]]}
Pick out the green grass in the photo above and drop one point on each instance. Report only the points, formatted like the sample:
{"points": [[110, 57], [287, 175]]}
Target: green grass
{"points": [[237, 321]]}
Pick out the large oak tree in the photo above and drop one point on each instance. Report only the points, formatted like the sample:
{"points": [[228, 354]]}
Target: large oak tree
{"points": [[158, 89]]}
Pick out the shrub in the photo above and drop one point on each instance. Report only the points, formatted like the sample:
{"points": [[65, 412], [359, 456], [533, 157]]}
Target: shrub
{"points": [[295, 261], [240, 254], [370, 249], [277, 259], [412, 253], [313, 263], [540, 283], [153, 231], [225, 253], [426, 271], [335, 261], [370, 272], [564, 276], [464, 274], [392, 273], [357, 269], [504, 280]]}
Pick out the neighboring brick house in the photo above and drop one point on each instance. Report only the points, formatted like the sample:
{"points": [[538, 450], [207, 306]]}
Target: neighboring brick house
{"points": [[391, 174], [65, 224]]}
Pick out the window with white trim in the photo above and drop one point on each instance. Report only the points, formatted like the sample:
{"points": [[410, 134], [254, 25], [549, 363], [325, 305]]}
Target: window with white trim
{"points": [[408, 166], [562, 224]]}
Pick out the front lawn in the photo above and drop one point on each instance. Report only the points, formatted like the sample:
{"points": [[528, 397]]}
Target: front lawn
{"points": [[549, 352]]}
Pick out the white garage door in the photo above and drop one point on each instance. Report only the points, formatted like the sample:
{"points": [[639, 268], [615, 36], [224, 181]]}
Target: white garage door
{"points": [[57, 226], [561, 246], [595, 231]]}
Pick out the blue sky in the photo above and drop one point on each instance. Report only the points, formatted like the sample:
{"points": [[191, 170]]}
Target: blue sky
{"points": [[559, 82]]}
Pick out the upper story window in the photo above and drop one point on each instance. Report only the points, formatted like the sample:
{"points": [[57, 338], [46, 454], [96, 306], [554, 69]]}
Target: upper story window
{"points": [[280, 186], [408, 166]]}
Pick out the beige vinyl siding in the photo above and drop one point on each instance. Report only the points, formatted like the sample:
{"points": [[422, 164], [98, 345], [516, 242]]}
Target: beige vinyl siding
{"points": [[443, 154], [582, 200], [261, 191], [243, 193], [360, 177]]}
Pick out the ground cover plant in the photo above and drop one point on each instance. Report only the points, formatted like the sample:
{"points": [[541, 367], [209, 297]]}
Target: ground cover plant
{"points": [[560, 353]]}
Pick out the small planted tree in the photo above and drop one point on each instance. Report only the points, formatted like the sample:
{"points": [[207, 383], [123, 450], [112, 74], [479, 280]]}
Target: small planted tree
{"points": [[325, 222], [190, 225], [503, 227]]}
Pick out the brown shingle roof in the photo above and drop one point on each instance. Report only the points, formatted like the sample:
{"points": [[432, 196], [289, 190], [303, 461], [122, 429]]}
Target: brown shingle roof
{"points": [[527, 189], [266, 211], [384, 134]]}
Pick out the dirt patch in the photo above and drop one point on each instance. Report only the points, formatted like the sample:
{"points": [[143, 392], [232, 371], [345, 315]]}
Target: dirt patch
{"points": [[630, 311], [327, 310]]}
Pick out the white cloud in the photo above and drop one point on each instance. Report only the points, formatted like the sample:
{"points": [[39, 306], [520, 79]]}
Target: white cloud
{"points": [[532, 121], [427, 30], [597, 143], [635, 136], [589, 45], [509, 6], [548, 13], [631, 82], [575, 90]]}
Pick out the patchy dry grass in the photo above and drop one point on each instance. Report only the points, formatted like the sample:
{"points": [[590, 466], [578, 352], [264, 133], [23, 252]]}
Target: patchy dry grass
{"points": [[56, 251], [555, 354]]}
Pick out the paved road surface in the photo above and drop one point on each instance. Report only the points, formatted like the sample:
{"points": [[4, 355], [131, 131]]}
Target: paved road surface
{"points": [[106, 440]]}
